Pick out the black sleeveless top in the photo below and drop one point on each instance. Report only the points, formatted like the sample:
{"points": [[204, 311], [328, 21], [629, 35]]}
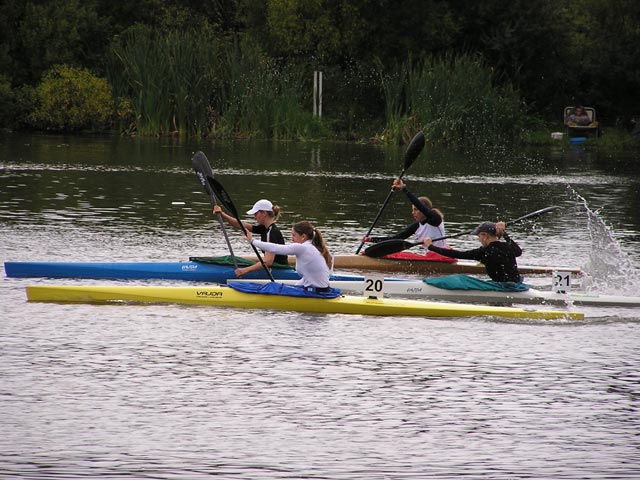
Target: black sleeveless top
{"points": [[273, 235]]}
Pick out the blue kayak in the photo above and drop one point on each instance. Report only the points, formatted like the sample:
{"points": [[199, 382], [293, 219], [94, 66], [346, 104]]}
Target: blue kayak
{"points": [[195, 271]]}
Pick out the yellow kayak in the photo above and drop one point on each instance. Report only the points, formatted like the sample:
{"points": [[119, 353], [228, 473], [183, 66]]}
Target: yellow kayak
{"points": [[223, 296]]}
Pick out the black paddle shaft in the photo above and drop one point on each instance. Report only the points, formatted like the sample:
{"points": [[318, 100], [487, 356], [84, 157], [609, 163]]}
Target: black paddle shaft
{"points": [[413, 150], [394, 245]]}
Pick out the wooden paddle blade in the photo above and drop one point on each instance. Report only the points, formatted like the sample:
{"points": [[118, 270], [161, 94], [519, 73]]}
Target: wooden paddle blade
{"points": [[387, 247], [414, 149]]}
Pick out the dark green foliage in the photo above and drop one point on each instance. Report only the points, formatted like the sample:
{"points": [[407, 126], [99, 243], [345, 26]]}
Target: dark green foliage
{"points": [[606, 58], [7, 104], [71, 99], [553, 53], [524, 42], [55, 32]]}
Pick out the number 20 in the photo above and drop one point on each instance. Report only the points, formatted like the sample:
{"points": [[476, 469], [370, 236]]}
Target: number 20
{"points": [[373, 285]]}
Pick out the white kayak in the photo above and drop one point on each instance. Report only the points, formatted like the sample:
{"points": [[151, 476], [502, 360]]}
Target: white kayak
{"points": [[418, 288]]}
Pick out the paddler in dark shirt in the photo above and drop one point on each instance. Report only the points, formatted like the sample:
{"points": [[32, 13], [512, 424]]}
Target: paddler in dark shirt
{"points": [[428, 220], [499, 258], [265, 214]]}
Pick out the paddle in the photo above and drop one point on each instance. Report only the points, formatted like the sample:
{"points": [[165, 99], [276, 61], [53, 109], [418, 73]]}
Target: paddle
{"points": [[413, 150], [387, 247], [225, 199], [203, 169]]}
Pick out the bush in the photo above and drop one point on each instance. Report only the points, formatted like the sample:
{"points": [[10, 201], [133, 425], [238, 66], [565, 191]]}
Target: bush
{"points": [[71, 99]]}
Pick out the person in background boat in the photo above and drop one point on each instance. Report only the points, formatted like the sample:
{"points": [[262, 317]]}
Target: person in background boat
{"points": [[266, 215], [499, 258], [578, 117], [313, 260], [428, 220]]}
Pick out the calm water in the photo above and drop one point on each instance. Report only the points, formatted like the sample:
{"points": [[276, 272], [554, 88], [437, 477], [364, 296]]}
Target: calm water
{"points": [[175, 392]]}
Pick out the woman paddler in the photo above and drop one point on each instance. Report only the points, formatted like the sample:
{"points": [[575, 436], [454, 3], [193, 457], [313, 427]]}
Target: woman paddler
{"points": [[266, 214], [313, 260], [498, 257], [428, 222]]}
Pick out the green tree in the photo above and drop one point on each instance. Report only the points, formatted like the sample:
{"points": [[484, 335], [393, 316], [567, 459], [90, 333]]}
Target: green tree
{"points": [[60, 32], [295, 29], [343, 31], [605, 57], [554, 52], [524, 42], [72, 99], [12, 66]]}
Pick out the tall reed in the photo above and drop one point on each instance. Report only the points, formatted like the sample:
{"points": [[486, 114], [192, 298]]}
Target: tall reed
{"points": [[167, 77], [195, 82], [394, 84], [265, 98], [457, 102]]}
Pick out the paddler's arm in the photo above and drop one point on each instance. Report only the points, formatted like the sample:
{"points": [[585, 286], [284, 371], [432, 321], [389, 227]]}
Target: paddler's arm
{"points": [[475, 254], [231, 220], [432, 217], [502, 233], [267, 258]]}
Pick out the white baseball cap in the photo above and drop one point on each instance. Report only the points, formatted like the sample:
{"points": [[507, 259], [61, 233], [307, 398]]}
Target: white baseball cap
{"points": [[261, 205]]}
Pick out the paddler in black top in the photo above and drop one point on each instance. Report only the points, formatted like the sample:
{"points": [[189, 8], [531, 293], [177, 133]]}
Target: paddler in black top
{"points": [[266, 215], [499, 258], [428, 220]]}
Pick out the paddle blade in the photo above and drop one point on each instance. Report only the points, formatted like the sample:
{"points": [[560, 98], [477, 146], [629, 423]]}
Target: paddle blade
{"points": [[414, 149], [223, 197], [387, 247], [201, 166], [201, 163]]}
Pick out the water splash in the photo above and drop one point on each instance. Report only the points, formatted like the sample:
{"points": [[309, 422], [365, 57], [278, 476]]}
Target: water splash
{"points": [[609, 268]]}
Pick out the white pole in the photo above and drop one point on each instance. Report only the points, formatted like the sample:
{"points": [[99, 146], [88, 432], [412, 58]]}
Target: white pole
{"points": [[320, 95], [315, 92]]}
